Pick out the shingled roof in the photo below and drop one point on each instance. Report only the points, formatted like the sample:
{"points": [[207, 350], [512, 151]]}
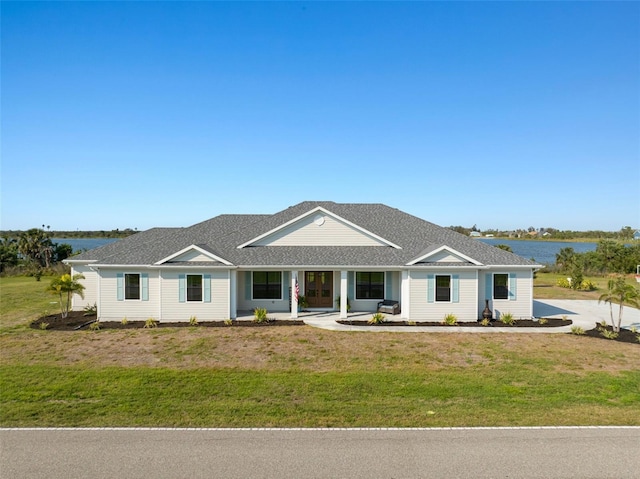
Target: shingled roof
{"points": [[223, 234]]}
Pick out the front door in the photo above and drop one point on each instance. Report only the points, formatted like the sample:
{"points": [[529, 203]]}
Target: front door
{"points": [[319, 288]]}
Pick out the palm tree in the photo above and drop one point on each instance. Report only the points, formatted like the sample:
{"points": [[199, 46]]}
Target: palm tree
{"points": [[66, 284], [619, 291]]}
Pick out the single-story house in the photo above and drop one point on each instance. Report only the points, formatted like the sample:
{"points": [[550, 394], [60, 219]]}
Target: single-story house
{"points": [[340, 257]]}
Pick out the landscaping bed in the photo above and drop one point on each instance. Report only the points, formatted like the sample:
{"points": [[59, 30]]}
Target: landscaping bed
{"points": [[523, 323], [79, 320]]}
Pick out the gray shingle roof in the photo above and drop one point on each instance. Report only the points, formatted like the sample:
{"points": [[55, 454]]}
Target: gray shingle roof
{"points": [[222, 234]]}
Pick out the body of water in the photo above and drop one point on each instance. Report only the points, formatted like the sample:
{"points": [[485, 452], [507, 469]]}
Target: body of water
{"points": [[81, 244], [541, 251]]}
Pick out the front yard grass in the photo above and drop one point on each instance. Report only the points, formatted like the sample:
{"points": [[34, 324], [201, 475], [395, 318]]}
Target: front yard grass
{"points": [[304, 377]]}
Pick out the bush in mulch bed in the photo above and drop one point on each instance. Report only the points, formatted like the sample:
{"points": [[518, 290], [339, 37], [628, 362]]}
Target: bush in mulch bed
{"points": [[521, 323], [78, 320], [624, 336]]}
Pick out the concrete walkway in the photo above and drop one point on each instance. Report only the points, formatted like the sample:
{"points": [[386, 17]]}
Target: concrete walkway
{"points": [[584, 314]]}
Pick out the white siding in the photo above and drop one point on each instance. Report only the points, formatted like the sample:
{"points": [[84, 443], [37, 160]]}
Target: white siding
{"points": [[464, 309], [174, 310], [111, 309], [90, 283], [521, 307], [332, 232]]}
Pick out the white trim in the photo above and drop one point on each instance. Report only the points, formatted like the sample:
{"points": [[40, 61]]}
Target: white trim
{"points": [[444, 248], [199, 250], [311, 212], [493, 289], [124, 286]]}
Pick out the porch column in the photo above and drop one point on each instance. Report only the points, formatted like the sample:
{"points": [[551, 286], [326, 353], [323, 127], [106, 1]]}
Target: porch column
{"points": [[405, 295], [343, 294], [294, 297], [233, 294]]}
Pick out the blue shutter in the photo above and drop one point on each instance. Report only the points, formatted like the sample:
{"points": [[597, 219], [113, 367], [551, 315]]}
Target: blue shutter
{"points": [[431, 288], [206, 284], [286, 284], [120, 286], [247, 285], [182, 287], [351, 285], [455, 288], [488, 286], [389, 286], [512, 286], [144, 286]]}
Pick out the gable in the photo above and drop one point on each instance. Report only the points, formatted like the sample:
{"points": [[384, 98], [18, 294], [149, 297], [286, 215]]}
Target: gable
{"points": [[319, 227], [193, 254], [443, 254]]}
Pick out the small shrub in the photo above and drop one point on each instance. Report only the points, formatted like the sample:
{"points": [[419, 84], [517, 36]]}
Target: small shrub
{"points": [[228, 322], [125, 321], [90, 310], [633, 329], [508, 319], [577, 330], [193, 321], [602, 325], [260, 315], [543, 321], [606, 333], [411, 323], [44, 326], [450, 320], [588, 285], [377, 318], [485, 322], [563, 283], [150, 323], [638, 337], [95, 326]]}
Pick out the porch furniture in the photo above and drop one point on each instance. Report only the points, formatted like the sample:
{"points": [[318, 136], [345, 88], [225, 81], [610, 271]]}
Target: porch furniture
{"points": [[389, 306]]}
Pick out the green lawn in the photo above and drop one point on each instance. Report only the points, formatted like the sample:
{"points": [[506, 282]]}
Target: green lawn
{"points": [[301, 376]]}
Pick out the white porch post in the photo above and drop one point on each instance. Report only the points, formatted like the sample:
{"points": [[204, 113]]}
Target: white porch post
{"points": [[294, 298], [343, 295], [405, 295], [233, 294]]}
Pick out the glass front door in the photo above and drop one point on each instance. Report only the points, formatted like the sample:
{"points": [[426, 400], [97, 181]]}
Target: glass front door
{"points": [[319, 288]]}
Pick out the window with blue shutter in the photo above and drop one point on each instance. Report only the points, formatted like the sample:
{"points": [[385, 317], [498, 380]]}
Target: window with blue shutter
{"points": [[455, 288], [120, 286], [182, 288], [431, 288], [207, 288], [144, 287], [512, 286], [247, 285], [488, 286]]}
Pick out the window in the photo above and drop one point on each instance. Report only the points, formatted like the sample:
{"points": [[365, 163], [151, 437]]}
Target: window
{"points": [[443, 288], [267, 285], [194, 287], [369, 285], [131, 286], [500, 286]]}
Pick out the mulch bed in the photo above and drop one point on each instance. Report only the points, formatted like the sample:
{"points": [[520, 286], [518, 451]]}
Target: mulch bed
{"points": [[76, 319], [522, 323], [624, 336]]}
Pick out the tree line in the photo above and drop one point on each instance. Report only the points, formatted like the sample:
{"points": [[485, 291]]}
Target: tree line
{"points": [[608, 257], [33, 252], [551, 234]]}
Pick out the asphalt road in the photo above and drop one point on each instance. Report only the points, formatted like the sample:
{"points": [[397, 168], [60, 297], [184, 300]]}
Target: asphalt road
{"points": [[458, 453]]}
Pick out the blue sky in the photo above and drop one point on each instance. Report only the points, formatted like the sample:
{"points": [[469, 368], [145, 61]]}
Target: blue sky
{"points": [[142, 114]]}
